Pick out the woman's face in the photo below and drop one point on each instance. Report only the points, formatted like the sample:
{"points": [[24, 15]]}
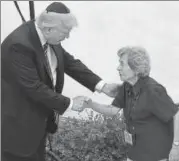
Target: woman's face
{"points": [[125, 72]]}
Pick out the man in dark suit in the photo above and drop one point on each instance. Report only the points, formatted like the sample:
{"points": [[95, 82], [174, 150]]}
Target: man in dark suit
{"points": [[33, 67]]}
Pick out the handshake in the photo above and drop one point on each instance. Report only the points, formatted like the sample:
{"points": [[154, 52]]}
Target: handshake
{"points": [[80, 103]]}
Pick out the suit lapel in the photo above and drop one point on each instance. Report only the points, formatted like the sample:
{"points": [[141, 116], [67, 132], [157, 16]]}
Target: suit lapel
{"points": [[58, 54], [60, 67], [38, 47]]}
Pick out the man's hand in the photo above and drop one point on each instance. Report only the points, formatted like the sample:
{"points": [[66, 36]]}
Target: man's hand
{"points": [[79, 103], [111, 89]]}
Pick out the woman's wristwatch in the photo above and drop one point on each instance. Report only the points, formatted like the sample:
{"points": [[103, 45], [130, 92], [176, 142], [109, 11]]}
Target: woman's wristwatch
{"points": [[176, 143]]}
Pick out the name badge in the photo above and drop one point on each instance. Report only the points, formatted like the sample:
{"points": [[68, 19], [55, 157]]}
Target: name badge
{"points": [[128, 137]]}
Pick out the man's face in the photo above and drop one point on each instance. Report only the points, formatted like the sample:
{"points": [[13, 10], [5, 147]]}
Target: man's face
{"points": [[125, 72], [57, 34]]}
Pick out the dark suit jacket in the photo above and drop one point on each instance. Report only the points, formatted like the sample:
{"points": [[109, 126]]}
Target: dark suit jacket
{"points": [[27, 95]]}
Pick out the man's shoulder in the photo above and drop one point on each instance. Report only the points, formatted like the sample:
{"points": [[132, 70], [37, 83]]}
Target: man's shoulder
{"points": [[20, 37]]}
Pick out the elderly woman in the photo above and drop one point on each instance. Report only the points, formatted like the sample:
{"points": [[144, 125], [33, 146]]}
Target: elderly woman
{"points": [[148, 110]]}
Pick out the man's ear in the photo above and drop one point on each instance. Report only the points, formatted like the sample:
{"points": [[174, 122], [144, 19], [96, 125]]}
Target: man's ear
{"points": [[47, 30]]}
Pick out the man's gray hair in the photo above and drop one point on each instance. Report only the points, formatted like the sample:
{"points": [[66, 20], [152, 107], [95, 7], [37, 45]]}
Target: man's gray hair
{"points": [[51, 19], [138, 60]]}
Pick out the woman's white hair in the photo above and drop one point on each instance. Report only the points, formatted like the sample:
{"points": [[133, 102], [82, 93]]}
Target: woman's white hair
{"points": [[52, 19], [138, 60]]}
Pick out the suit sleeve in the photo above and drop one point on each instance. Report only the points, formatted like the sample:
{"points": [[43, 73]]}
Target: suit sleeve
{"points": [[80, 72], [25, 75]]}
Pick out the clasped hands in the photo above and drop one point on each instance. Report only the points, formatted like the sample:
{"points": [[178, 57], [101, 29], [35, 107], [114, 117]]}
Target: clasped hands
{"points": [[80, 103]]}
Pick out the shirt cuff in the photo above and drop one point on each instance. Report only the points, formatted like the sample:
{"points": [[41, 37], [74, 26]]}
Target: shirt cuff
{"points": [[100, 86], [69, 107]]}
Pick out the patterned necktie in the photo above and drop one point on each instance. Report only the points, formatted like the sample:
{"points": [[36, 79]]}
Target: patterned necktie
{"points": [[45, 47], [54, 117]]}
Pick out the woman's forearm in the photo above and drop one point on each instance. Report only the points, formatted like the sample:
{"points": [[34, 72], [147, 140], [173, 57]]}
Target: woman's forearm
{"points": [[108, 110]]}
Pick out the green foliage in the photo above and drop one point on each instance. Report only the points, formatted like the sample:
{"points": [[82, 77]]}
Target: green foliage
{"points": [[98, 138]]}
